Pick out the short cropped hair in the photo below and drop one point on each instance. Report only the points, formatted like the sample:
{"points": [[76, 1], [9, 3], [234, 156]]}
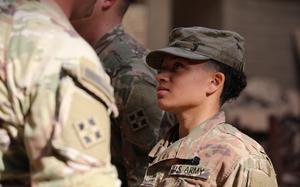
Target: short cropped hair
{"points": [[235, 81]]}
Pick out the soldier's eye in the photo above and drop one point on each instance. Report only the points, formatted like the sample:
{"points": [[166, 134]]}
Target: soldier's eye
{"points": [[161, 69], [176, 66]]}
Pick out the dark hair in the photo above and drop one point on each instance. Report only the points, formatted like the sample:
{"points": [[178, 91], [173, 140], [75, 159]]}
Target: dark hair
{"points": [[124, 6], [235, 81]]}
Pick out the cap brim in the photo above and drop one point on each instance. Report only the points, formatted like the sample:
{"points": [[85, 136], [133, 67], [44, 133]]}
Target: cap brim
{"points": [[155, 58]]}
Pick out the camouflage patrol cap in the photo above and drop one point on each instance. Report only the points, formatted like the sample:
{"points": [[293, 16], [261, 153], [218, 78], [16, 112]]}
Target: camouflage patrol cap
{"points": [[198, 43]]}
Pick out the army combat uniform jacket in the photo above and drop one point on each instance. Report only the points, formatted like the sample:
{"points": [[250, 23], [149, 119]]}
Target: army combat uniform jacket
{"points": [[212, 154], [55, 100], [136, 130]]}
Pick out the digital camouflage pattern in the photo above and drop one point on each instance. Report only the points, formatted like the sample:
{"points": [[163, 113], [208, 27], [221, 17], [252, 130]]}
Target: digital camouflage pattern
{"points": [[136, 130], [214, 153], [54, 126]]}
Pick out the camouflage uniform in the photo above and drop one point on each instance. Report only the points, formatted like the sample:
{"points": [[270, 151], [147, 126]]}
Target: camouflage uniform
{"points": [[55, 101], [136, 130], [213, 154]]}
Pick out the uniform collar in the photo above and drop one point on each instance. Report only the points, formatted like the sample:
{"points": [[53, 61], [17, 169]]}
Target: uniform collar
{"points": [[107, 39], [186, 147], [191, 143]]}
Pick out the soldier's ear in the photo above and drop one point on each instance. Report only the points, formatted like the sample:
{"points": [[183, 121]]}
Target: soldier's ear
{"points": [[216, 83], [106, 4]]}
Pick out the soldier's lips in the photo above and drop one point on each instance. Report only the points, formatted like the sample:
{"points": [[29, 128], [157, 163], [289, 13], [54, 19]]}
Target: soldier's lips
{"points": [[161, 91]]}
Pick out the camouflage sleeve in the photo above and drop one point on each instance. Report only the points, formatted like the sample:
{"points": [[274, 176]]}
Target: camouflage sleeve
{"points": [[68, 132], [252, 172], [140, 122], [56, 127], [141, 117]]}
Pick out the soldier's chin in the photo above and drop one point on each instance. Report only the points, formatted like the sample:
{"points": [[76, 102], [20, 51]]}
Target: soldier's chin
{"points": [[165, 106]]}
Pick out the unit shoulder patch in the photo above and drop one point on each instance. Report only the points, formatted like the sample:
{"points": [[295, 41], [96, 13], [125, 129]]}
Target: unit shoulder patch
{"points": [[89, 132], [137, 120]]}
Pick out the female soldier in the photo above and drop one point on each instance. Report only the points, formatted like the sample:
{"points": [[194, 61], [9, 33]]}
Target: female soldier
{"points": [[199, 71]]}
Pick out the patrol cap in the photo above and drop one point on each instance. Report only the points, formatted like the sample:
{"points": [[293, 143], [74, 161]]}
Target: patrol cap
{"points": [[198, 43]]}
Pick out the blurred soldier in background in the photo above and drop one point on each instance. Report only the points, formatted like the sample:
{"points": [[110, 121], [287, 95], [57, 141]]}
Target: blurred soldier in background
{"points": [[136, 129], [262, 98], [55, 99], [284, 147], [271, 115]]}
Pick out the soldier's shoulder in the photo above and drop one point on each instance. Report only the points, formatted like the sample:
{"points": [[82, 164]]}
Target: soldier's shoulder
{"points": [[128, 49], [227, 145], [125, 67], [46, 18], [46, 40], [239, 140], [257, 170]]}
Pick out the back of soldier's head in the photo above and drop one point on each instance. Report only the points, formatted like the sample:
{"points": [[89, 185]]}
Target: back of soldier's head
{"points": [[123, 6], [76, 9]]}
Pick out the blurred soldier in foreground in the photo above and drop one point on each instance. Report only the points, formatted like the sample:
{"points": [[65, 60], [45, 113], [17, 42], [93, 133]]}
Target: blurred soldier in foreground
{"points": [[199, 71], [55, 99], [136, 129]]}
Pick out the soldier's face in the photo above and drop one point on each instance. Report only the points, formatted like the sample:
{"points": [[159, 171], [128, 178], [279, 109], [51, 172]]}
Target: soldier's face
{"points": [[182, 84]]}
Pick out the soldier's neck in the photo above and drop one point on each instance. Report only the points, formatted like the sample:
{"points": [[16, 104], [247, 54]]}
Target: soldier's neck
{"points": [[190, 118], [96, 26], [64, 5], [104, 28]]}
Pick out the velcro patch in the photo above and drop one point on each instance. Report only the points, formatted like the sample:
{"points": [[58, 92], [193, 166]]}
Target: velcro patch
{"points": [[137, 120], [92, 77], [88, 132], [189, 171]]}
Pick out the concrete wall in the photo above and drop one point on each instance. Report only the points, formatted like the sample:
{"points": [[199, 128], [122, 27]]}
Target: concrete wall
{"points": [[149, 21], [268, 26], [136, 22], [159, 20], [197, 13]]}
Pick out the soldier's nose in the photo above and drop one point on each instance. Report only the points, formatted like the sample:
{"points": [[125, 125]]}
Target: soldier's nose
{"points": [[162, 76]]}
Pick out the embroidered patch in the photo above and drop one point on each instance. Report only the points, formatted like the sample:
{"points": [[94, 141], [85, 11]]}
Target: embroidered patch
{"points": [[88, 132], [189, 171], [137, 120]]}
